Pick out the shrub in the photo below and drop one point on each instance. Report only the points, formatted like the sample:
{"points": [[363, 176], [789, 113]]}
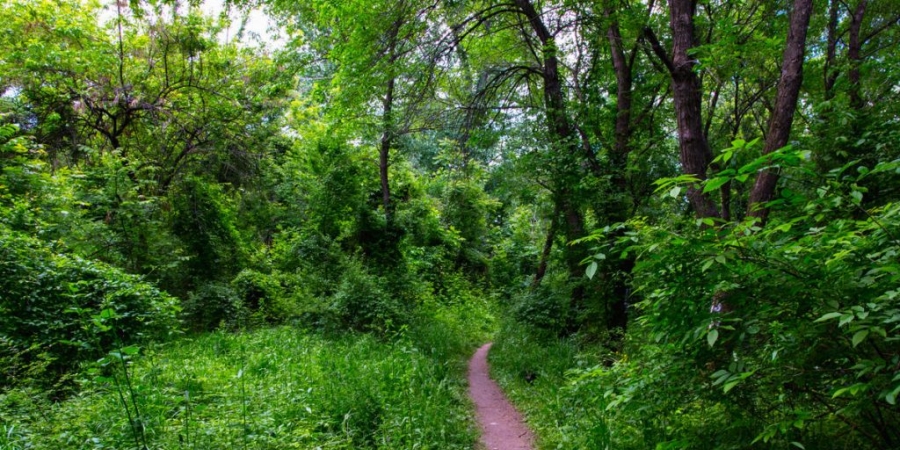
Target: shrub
{"points": [[545, 308], [263, 296], [213, 305], [52, 305], [363, 303], [785, 334]]}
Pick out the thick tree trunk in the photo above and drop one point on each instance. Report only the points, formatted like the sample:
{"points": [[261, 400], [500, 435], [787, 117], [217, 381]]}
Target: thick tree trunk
{"points": [[687, 93], [831, 49], [564, 135], [387, 123], [554, 101], [617, 306], [785, 105], [545, 252], [854, 50], [384, 149], [621, 149], [554, 97]]}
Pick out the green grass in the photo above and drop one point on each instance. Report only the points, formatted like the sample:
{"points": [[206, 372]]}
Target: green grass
{"points": [[572, 400], [532, 370], [277, 388]]}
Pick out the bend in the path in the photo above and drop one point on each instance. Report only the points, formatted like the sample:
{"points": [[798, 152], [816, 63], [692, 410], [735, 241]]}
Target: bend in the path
{"points": [[502, 427]]}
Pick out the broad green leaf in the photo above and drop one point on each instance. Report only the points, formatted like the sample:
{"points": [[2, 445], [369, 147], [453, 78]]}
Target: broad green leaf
{"points": [[829, 316], [845, 319], [892, 396], [859, 336], [712, 337], [715, 183], [675, 192], [731, 384], [591, 270], [131, 350]]}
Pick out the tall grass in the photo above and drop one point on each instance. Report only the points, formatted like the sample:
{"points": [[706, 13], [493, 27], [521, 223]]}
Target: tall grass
{"points": [[532, 368], [269, 389], [576, 395]]}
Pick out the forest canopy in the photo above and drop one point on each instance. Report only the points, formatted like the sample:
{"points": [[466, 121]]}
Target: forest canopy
{"points": [[694, 204]]}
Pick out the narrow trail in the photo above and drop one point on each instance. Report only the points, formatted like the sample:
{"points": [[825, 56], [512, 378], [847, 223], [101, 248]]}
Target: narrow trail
{"points": [[502, 427]]}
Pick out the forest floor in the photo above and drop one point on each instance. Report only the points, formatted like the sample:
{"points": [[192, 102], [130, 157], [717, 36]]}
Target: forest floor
{"points": [[501, 425]]}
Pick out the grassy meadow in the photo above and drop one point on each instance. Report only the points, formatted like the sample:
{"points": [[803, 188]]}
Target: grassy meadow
{"points": [[275, 388]]}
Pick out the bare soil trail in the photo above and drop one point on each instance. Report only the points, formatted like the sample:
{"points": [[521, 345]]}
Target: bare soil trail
{"points": [[502, 427]]}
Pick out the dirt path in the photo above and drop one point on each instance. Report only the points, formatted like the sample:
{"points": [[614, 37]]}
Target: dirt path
{"points": [[501, 425]]}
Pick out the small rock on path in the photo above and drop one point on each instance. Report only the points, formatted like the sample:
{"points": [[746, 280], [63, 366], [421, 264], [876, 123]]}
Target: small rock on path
{"points": [[501, 425]]}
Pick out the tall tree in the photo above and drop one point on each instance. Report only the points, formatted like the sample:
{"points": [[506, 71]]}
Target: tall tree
{"points": [[695, 153], [785, 104]]}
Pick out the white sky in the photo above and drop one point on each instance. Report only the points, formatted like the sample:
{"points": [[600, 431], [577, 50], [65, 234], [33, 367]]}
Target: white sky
{"points": [[258, 23]]}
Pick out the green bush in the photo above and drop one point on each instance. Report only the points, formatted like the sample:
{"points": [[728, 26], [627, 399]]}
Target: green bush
{"points": [[213, 305], [52, 309], [363, 302], [203, 218], [263, 296], [784, 335], [545, 308]]}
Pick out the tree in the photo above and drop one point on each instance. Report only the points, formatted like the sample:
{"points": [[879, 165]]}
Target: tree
{"points": [[696, 155]]}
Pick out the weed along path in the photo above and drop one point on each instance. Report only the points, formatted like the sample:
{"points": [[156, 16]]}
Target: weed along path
{"points": [[502, 427]]}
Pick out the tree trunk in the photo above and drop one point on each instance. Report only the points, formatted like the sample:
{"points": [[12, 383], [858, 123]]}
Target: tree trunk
{"points": [[617, 306], [384, 150], [831, 50], [687, 93], [785, 105], [554, 100], [545, 253], [621, 149], [854, 49], [387, 123], [563, 133]]}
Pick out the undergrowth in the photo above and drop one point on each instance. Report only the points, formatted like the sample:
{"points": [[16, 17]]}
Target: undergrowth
{"points": [[268, 389], [532, 368]]}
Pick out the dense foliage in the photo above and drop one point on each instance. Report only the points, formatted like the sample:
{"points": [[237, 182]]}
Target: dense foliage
{"points": [[685, 213], [273, 388]]}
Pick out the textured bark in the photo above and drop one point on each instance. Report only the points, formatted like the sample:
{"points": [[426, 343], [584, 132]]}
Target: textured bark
{"points": [[545, 253], [695, 152], [617, 306], [831, 50], [387, 123], [554, 97], [785, 105], [554, 101], [623, 130], [564, 135], [854, 49], [385, 148]]}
